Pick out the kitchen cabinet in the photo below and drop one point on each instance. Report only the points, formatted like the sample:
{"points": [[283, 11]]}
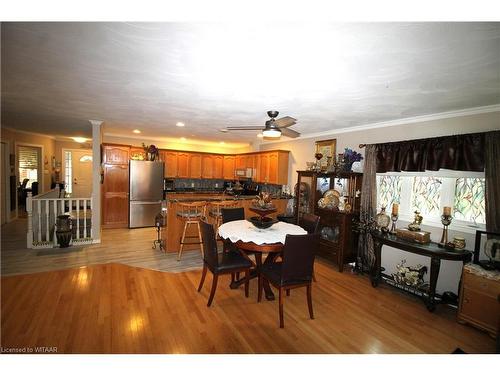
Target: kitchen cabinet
{"points": [[272, 167], [115, 154], [115, 190], [207, 166], [170, 160], [137, 153], [240, 161], [480, 298], [229, 164], [183, 165], [218, 166], [195, 166]]}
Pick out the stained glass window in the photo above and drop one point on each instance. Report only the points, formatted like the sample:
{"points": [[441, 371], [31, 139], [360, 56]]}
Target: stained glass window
{"points": [[426, 195], [469, 200], [388, 190]]}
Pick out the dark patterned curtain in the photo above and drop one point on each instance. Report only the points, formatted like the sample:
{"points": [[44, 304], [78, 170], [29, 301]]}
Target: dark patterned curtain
{"points": [[368, 207], [492, 174], [457, 152]]}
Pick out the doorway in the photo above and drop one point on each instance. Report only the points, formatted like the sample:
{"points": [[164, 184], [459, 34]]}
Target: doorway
{"points": [[29, 172], [78, 172], [5, 188]]}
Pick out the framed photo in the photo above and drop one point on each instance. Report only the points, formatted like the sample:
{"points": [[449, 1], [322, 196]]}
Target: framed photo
{"points": [[327, 148]]}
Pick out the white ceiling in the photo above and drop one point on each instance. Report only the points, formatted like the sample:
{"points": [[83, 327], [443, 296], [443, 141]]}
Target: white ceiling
{"points": [[56, 76]]}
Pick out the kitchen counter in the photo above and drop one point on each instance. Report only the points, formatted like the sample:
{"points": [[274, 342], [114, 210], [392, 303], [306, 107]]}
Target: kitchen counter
{"points": [[171, 236]]}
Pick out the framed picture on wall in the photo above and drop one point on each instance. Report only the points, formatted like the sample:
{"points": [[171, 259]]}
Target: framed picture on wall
{"points": [[327, 148]]}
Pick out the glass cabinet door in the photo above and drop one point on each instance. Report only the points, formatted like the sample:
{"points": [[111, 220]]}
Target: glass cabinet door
{"points": [[305, 195]]}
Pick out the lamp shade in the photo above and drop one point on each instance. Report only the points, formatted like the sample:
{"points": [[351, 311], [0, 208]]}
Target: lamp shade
{"points": [[271, 133]]}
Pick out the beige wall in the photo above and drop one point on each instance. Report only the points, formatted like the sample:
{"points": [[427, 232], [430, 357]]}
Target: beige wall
{"points": [[302, 150], [12, 136], [178, 145]]}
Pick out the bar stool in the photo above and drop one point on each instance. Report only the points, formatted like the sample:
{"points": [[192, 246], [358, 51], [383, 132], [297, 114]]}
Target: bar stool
{"points": [[191, 213], [214, 211]]}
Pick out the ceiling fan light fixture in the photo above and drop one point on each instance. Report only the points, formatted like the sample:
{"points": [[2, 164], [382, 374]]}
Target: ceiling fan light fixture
{"points": [[271, 133]]}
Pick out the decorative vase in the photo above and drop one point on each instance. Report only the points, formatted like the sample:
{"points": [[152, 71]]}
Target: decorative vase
{"points": [[383, 220], [63, 231]]}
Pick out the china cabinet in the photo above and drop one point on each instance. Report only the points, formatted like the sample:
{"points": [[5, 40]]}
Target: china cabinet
{"points": [[337, 242]]}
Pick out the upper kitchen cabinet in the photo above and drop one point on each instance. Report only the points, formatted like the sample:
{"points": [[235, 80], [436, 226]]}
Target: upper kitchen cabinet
{"points": [[218, 166], [170, 160], [195, 166], [207, 166], [229, 164], [272, 167], [137, 153], [183, 165], [116, 154]]}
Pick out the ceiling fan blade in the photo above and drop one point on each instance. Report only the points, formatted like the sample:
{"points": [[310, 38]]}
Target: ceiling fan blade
{"points": [[244, 127], [285, 122], [290, 133]]}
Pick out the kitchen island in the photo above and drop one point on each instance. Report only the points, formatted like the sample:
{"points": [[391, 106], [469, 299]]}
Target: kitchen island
{"points": [[171, 236]]}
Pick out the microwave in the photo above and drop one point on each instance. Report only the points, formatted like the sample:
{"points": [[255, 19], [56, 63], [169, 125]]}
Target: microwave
{"points": [[243, 172]]}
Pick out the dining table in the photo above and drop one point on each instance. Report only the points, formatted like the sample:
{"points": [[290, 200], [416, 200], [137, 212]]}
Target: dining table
{"points": [[250, 240]]}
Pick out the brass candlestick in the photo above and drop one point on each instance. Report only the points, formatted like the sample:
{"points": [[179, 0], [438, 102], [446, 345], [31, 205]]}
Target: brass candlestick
{"points": [[446, 221], [394, 218]]}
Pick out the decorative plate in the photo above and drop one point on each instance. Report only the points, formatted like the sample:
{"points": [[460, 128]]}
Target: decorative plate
{"points": [[330, 193]]}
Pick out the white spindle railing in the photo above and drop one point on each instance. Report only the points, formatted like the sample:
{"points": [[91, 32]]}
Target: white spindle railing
{"points": [[42, 219]]}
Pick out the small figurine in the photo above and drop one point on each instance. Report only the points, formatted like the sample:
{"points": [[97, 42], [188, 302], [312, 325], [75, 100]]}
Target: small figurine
{"points": [[415, 226]]}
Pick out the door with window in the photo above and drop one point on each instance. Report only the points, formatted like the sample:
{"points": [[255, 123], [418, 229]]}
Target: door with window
{"points": [[78, 172]]}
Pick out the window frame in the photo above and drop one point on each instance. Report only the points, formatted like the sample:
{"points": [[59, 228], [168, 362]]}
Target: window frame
{"points": [[447, 197]]}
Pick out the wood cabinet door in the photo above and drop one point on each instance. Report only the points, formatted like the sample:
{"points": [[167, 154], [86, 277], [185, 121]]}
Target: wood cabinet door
{"points": [[170, 159], [273, 168], [207, 166], [115, 210], [116, 154], [182, 165], [115, 179], [218, 166], [195, 165], [229, 163], [137, 153], [264, 167], [240, 162]]}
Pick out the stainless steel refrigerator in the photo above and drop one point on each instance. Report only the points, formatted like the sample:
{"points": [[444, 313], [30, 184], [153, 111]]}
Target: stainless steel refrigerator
{"points": [[146, 192]]}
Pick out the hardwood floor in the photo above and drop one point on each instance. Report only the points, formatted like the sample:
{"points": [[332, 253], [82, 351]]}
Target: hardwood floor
{"points": [[126, 246], [114, 308]]}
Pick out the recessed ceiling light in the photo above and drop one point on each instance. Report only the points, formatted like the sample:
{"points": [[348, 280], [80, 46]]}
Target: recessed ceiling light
{"points": [[180, 124], [136, 131], [183, 138], [260, 135], [79, 139], [224, 130]]}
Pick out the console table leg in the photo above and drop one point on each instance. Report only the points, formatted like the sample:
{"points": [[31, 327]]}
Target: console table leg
{"points": [[375, 271], [435, 265]]}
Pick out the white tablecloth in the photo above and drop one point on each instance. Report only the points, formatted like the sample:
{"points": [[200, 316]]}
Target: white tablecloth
{"points": [[243, 230]]}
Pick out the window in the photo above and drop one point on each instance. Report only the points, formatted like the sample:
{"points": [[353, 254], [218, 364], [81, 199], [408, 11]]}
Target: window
{"points": [[68, 173], [429, 192], [28, 164]]}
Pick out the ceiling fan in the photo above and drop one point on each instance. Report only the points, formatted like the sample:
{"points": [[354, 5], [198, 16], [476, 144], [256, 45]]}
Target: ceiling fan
{"points": [[274, 128]]}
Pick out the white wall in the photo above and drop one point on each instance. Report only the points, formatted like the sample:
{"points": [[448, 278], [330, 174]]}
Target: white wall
{"points": [[302, 150]]}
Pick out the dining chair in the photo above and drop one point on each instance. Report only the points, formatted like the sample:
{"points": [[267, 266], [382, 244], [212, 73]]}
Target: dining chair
{"points": [[220, 264], [232, 214], [294, 271], [310, 223]]}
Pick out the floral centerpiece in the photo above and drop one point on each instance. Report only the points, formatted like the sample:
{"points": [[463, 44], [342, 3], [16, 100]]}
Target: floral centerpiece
{"points": [[152, 152], [350, 156]]}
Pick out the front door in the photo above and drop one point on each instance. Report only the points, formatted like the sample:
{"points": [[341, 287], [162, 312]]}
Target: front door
{"points": [[81, 163]]}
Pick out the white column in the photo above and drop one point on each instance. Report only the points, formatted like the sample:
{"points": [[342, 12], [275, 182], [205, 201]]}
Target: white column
{"points": [[96, 179]]}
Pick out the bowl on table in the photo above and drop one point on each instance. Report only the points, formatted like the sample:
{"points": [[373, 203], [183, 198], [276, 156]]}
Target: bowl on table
{"points": [[262, 222]]}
